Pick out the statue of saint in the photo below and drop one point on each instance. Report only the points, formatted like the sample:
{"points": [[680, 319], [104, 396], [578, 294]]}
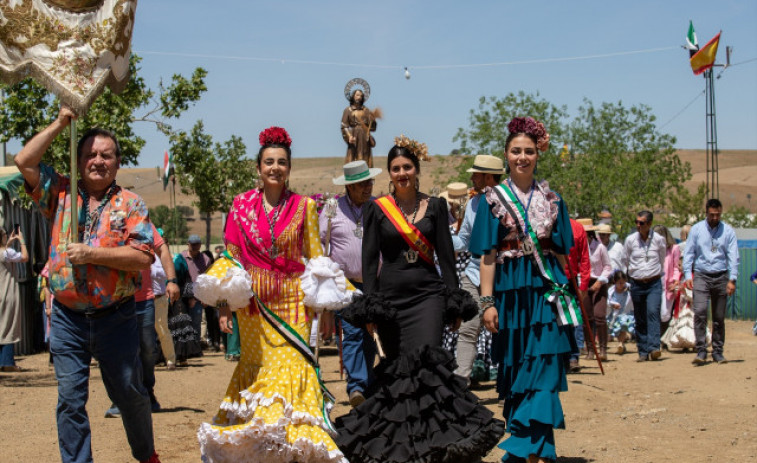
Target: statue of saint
{"points": [[358, 122]]}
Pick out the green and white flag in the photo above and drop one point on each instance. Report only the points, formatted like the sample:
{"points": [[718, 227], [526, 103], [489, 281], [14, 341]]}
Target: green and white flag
{"points": [[168, 169], [691, 38]]}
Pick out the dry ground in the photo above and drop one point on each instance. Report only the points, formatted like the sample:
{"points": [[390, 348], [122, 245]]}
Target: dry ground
{"points": [[665, 411]]}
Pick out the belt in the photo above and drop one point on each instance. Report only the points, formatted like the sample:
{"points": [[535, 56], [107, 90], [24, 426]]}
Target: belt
{"points": [[94, 314], [645, 281], [514, 245], [713, 274]]}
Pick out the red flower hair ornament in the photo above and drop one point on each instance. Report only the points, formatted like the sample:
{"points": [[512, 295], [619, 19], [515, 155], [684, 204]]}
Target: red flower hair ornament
{"points": [[275, 136], [530, 126]]}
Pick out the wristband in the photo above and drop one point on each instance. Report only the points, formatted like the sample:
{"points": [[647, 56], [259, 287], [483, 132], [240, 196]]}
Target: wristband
{"points": [[172, 280]]}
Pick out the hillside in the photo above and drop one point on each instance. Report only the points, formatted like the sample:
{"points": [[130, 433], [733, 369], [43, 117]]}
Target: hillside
{"points": [[738, 175]]}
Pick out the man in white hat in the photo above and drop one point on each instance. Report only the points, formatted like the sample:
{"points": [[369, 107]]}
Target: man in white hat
{"points": [[486, 172], [342, 235]]}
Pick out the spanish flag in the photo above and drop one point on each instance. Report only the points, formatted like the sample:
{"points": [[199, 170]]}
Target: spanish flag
{"points": [[705, 57]]}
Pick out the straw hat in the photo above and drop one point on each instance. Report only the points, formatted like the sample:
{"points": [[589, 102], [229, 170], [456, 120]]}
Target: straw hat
{"points": [[456, 191], [604, 229], [486, 164], [587, 224], [356, 172]]}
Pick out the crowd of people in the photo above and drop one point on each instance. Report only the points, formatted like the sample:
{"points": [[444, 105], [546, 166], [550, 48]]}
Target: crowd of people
{"points": [[421, 288]]}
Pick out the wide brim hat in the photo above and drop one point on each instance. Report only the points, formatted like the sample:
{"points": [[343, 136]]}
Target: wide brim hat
{"points": [[604, 229], [456, 191], [588, 224], [356, 172], [487, 164]]}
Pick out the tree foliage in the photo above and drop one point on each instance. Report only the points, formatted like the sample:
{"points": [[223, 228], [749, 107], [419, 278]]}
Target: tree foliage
{"points": [[686, 208], [172, 221], [214, 172], [617, 159], [739, 217], [28, 108]]}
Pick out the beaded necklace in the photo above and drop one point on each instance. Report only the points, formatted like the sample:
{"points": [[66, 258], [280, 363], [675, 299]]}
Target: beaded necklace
{"points": [[273, 251], [415, 211], [91, 219]]}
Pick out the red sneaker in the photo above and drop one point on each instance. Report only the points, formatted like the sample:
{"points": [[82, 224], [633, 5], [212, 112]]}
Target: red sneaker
{"points": [[153, 459]]}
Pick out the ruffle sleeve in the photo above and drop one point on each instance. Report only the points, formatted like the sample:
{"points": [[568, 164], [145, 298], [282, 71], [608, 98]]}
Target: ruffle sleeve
{"points": [[486, 233], [224, 282], [325, 286]]}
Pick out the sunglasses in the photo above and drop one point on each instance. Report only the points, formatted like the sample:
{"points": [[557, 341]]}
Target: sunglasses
{"points": [[641, 222]]}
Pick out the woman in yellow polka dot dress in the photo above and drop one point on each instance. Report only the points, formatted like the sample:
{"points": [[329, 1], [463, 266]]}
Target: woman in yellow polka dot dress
{"points": [[273, 409]]}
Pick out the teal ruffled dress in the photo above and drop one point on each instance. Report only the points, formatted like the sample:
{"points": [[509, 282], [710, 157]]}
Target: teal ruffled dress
{"points": [[530, 345]]}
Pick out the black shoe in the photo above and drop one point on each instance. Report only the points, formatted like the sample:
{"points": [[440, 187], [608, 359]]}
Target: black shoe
{"points": [[719, 358], [700, 359]]}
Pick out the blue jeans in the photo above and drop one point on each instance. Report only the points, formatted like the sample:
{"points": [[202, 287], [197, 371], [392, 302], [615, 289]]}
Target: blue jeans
{"points": [[647, 298], [114, 341], [358, 353], [6, 355], [578, 333], [196, 313], [148, 341]]}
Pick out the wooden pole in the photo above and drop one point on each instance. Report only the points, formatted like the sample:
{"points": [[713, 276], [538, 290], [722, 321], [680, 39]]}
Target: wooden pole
{"points": [[74, 186]]}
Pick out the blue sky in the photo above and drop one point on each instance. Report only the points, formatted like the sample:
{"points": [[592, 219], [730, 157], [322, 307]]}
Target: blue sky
{"points": [[246, 47]]}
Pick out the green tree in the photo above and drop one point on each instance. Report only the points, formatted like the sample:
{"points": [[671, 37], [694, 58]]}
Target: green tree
{"points": [[620, 162], [28, 108], [487, 126], [739, 217], [686, 208], [617, 160], [172, 221], [213, 172]]}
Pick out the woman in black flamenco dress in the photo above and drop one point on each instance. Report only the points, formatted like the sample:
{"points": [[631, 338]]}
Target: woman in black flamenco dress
{"points": [[417, 410]]}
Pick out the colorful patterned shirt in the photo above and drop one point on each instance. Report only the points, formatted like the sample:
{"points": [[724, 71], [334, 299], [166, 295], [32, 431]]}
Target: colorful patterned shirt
{"points": [[123, 222]]}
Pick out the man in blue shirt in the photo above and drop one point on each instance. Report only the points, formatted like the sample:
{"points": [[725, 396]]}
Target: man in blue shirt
{"points": [[711, 265], [486, 172]]}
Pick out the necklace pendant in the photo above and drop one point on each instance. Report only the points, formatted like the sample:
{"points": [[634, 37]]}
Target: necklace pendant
{"points": [[527, 246], [411, 256], [714, 248], [273, 251], [359, 232]]}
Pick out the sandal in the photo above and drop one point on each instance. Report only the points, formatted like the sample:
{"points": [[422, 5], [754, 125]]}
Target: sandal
{"points": [[11, 369]]}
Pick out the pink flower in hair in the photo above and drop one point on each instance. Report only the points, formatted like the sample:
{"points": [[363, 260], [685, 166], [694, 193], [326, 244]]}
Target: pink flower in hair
{"points": [[530, 126]]}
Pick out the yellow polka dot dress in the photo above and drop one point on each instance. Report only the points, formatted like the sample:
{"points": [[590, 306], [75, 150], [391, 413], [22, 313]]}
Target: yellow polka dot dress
{"points": [[272, 410]]}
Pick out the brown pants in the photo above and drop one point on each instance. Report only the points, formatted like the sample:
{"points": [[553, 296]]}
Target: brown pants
{"points": [[596, 308]]}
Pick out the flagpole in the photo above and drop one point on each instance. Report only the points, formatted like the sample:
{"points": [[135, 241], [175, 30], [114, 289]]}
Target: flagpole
{"points": [[74, 186]]}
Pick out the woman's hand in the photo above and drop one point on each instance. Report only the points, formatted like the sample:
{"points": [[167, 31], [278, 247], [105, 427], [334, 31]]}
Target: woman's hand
{"points": [[225, 321], [491, 319], [370, 328], [455, 325]]}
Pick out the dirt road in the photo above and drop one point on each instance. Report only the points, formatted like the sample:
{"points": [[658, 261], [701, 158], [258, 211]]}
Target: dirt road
{"points": [[665, 411]]}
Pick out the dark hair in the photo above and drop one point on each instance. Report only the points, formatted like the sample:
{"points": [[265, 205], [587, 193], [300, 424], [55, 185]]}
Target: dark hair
{"points": [[648, 216], [38, 266], [497, 178], [399, 151], [352, 96], [513, 135], [713, 203], [619, 275], [275, 145], [97, 132]]}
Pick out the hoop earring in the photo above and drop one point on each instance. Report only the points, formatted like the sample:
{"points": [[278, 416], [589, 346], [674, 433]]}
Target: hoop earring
{"points": [[536, 166], [391, 187], [417, 184], [259, 183]]}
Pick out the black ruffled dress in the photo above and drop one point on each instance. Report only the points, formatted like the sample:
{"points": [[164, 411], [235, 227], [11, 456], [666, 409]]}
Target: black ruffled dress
{"points": [[417, 410]]}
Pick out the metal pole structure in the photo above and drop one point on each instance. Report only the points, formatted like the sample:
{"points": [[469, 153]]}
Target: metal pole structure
{"points": [[74, 187], [713, 187]]}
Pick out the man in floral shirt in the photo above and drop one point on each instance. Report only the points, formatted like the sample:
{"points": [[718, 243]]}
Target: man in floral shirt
{"points": [[93, 278]]}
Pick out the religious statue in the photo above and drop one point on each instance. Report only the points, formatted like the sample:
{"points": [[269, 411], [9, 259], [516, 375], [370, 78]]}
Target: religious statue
{"points": [[358, 122]]}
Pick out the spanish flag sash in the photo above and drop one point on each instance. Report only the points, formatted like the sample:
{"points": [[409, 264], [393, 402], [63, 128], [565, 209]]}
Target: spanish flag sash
{"points": [[414, 238]]}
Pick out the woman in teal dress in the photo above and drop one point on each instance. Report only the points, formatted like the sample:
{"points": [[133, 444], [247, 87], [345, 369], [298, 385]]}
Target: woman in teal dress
{"points": [[522, 233]]}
